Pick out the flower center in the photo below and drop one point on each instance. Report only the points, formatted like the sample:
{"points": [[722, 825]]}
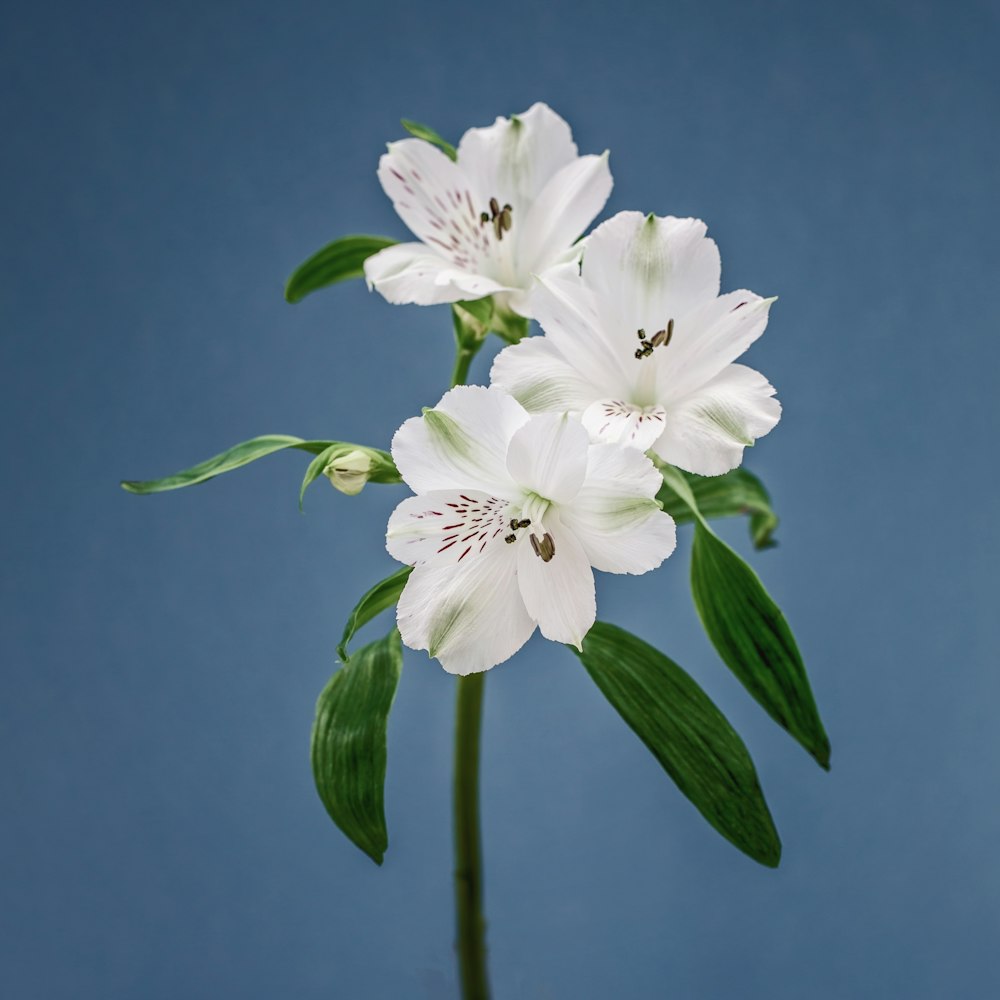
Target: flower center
{"points": [[661, 337], [499, 218]]}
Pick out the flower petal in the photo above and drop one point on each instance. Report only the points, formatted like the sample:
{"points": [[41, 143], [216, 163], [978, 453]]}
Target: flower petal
{"points": [[548, 456], [707, 431], [434, 198], [469, 615], [446, 526], [559, 594], [461, 444], [707, 339], [412, 273], [566, 310], [614, 516], [537, 375], [646, 270], [565, 207], [513, 159], [617, 422]]}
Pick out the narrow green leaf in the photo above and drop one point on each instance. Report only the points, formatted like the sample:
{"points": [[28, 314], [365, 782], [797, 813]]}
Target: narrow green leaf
{"points": [[751, 635], [735, 493], [337, 261], [239, 455], [749, 631], [428, 134], [348, 748], [361, 465], [687, 734], [383, 595]]}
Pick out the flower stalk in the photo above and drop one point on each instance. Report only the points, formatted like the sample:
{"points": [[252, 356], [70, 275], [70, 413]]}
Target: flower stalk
{"points": [[471, 925]]}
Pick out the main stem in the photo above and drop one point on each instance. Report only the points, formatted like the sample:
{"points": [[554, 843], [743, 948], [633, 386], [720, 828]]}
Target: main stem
{"points": [[471, 942], [471, 929]]}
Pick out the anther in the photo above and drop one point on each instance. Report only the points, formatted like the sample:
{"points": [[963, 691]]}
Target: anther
{"points": [[494, 207], [545, 549], [510, 539], [526, 522], [513, 524], [484, 217], [641, 334]]}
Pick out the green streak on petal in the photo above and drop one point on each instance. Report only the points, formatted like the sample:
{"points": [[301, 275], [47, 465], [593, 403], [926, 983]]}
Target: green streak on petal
{"points": [[617, 515], [646, 257], [445, 622], [728, 421], [541, 397], [448, 434]]}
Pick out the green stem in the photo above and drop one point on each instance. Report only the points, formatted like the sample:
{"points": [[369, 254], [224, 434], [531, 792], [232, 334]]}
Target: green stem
{"points": [[471, 943], [463, 358], [471, 926]]}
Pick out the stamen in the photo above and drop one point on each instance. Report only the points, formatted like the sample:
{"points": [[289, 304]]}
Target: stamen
{"points": [[659, 339], [500, 218], [524, 523], [510, 539], [545, 549]]}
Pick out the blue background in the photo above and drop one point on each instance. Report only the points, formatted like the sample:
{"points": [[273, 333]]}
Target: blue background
{"points": [[164, 167]]}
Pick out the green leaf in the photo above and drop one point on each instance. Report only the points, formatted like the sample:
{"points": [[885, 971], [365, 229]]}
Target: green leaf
{"points": [[753, 638], [428, 134], [735, 493], [749, 631], [687, 734], [361, 465], [383, 595], [337, 261], [348, 748], [239, 455]]}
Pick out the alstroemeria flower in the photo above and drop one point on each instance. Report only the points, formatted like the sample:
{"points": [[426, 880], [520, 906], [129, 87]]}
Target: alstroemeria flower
{"points": [[510, 207], [511, 513], [641, 345]]}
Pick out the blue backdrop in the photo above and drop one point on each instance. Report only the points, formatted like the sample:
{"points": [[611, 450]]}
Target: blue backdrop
{"points": [[164, 167]]}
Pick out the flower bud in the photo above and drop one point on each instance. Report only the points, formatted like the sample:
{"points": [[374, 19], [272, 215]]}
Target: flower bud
{"points": [[349, 472]]}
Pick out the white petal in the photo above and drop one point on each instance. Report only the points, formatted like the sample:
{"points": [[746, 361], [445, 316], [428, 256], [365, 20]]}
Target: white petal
{"points": [[567, 311], [707, 431], [446, 526], [537, 375], [559, 594], [548, 456], [513, 159], [412, 273], [707, 339], [565, 207], [469, 615], [433, 197], [646, 270], [461, 444], [617, 422], [614, 516]]}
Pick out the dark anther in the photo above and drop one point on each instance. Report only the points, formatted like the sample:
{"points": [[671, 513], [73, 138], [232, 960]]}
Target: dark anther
{"points": [[545, 549], [494, 207], [484, 217], [641, 334], [524, 523], [513, 524], [510, 539]]}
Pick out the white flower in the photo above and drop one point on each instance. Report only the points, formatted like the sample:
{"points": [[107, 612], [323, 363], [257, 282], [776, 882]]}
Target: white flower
{"points": [[640, 344], [511, 513], [509, 208]]}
